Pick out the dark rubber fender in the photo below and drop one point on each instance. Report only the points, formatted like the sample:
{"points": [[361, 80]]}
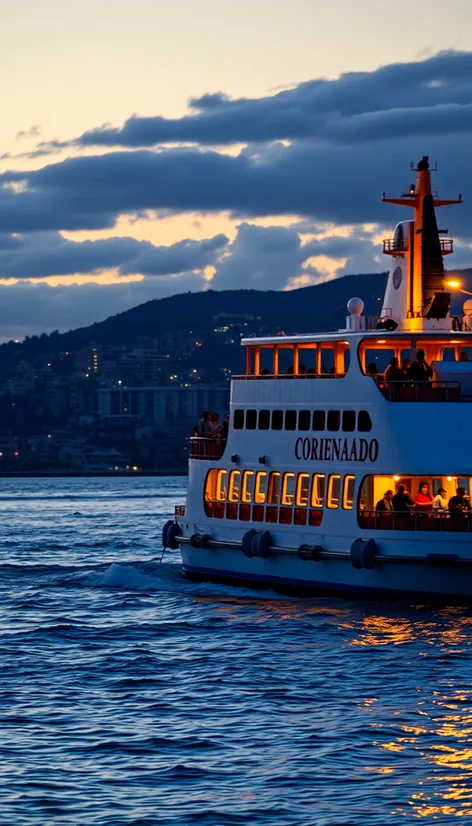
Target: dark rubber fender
{"points": [[169, 533], [247, 542], [261, 544], [307, 552], [363, 553]]}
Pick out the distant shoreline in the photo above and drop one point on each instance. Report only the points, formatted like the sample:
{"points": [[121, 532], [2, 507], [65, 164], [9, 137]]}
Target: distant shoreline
{"points": [[74, 474]]}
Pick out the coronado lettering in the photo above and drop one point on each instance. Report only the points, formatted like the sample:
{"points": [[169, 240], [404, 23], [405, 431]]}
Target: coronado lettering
{"points": [[336, 450]]}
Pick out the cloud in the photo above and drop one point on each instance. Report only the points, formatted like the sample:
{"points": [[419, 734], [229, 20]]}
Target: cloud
{"points": [[310, 179], [33, 132], [29, 308], [50, 254], [401, 99], [271, 258]]}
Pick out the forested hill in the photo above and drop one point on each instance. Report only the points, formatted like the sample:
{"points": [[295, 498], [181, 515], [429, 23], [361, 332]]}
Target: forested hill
{"points": [[309, 309]]}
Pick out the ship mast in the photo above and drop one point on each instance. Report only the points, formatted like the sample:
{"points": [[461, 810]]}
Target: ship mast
{"points": [[426, 297]]}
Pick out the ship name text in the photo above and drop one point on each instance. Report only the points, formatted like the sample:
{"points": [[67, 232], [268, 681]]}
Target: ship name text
{"points": [[337, 450]]}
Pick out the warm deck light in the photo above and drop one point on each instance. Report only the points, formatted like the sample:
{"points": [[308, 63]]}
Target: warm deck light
{"points": [[381, 340], [449, 478], [453, 284], [396, 478]]}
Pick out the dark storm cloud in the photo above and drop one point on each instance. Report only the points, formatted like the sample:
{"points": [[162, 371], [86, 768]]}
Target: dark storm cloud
{"points": [[46, 254], [310, 179], [401, 99]]}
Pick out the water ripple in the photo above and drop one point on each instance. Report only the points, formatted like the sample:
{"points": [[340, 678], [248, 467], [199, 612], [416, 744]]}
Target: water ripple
{"points": [[130, 696]]}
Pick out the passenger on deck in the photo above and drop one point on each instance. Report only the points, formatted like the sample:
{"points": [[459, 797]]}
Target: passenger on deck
{"points": [[301, 370], [440, 501], [205, 424], [371, 370], [459, 503], [423, 499], [224, 428], [463, 356], [406, 364], [402, 501], [420, 369], [393, 372], [215, 425], [385, 504]]}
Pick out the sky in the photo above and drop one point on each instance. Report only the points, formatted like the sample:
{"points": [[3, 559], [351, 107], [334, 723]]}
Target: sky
{"points": [[150, 148]]}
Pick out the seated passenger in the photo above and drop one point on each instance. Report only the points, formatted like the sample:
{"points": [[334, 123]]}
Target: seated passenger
{"points": [[459, 503], [385, 504], [402, 501], [440, 501], [463, 356], [420, 369], [423, 499], [393, 371]]}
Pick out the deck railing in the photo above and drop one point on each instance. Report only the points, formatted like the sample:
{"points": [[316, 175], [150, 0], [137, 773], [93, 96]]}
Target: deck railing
{"points": [[419, 391], [393, 246], [202, 447], [290, 376], [415, 521]]}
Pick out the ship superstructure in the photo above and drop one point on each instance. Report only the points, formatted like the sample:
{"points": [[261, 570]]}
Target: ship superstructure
{"points": [[320, 431]]}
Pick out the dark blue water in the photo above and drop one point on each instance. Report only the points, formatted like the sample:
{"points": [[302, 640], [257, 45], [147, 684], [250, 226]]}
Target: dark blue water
{"points": [[131, 696]]}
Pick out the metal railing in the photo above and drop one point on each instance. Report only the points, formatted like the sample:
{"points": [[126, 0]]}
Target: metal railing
{"points": [[202, 447], [307, 375], [419, 391], [392, 246], [415, 521]]}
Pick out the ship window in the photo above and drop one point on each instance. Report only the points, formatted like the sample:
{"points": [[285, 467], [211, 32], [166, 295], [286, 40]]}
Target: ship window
{"points": [[234, 483], [274, 489], [348, 492], [318, 490], [288, 489], [349, 420], [304, 420], [277, 419], [251, 419], [364, 422], [303, 487], [334, 489], [210, 485], [334, 419], [222, 480], [247, 487], [290, 420], [238, 419], [260, 487], [264, 419], [319, 418]]}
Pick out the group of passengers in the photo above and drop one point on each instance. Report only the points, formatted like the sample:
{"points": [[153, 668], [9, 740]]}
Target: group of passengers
{"points": [[424, 502], [410, 371], [210, 426]]}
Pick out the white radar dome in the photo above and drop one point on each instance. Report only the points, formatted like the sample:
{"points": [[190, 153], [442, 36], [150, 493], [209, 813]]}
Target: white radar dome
{"points": [[355, 306], [468, 307]]}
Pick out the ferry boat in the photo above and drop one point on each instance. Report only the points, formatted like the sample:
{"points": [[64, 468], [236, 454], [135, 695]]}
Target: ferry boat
{"points": [[319, 432]]}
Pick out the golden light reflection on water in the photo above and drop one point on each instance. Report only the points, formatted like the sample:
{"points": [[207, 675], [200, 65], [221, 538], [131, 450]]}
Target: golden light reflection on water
{"points": [[436, 748]]}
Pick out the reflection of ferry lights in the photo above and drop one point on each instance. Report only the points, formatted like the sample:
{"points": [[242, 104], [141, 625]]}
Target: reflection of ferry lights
{"points": [[315, 439]]}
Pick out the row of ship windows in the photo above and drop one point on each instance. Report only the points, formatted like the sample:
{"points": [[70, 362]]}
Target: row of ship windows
{"points": [[275, 497], [333, 420]]}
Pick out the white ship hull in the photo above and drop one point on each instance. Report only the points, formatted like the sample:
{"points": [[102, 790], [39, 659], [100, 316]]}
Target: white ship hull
{"points": [[408, 570]]}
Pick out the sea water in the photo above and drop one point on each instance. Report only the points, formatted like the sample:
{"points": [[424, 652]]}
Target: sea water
{"points": [[129, 695]]}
